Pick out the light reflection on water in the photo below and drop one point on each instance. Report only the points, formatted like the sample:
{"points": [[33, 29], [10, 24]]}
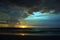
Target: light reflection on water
{"points": [[18, 34], [30, 34]]}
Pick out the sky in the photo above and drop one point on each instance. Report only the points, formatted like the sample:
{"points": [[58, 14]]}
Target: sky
{"points": [[12, 7], [44, 20], [27, 2]]}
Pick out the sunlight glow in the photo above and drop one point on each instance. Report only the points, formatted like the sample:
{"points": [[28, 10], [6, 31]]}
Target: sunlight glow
{"points": [[22, 26], [22, 34]]}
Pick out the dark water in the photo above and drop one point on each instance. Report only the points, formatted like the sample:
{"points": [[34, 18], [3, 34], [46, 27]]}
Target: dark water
{"points": [[35, 33], [30, 31]]}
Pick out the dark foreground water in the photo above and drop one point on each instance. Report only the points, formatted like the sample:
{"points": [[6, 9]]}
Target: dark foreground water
{"points": [[30, 31]]}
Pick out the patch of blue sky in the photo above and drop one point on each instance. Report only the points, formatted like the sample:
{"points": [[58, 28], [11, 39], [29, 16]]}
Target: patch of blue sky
{"points": [[45, 19]]}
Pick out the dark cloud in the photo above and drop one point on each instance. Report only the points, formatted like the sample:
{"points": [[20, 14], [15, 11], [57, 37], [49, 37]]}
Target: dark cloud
{"points": [[14, 13], [21, 1], [31, 2]]}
